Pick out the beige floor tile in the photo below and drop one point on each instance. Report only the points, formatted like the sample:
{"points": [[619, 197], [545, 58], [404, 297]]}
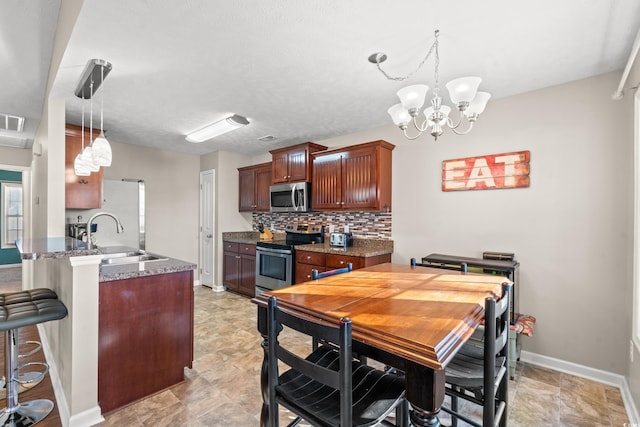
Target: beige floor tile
{"points": [[223, 388]]}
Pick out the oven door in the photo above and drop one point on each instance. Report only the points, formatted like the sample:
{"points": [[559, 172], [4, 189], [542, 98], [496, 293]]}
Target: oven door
{"points": [[274, 269]]}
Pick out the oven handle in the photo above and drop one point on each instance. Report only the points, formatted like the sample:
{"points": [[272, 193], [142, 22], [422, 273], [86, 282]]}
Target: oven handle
{"points": [[275, 251]]}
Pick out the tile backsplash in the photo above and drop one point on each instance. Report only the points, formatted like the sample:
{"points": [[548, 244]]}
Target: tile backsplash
{"points": [[364, 225]]}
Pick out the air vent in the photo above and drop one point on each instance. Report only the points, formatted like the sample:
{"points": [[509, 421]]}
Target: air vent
{"points": [[12, 123], [267, 138]]}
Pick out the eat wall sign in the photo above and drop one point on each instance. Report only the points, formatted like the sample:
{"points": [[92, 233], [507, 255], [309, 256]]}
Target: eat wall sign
{"points": [[508, 170]]}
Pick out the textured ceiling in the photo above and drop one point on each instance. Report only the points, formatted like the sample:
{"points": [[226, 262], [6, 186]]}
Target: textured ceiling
{"points": [[298, 69]]}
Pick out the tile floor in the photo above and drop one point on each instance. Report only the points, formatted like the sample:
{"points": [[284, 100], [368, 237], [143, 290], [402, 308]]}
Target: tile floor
{"points": [[223, 388]]}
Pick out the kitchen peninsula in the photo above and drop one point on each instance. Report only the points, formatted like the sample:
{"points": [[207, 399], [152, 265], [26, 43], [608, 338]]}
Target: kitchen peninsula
{"points": [[129, 332]]}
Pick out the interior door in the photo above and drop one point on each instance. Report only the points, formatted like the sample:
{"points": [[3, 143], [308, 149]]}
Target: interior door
{"points": [[207, 230]]}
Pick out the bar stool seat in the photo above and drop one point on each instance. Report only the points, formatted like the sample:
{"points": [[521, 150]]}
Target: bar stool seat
{"points": [[19, 309]]}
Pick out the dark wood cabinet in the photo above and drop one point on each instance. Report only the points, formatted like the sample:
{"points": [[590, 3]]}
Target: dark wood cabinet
{"points": [[145, 336], [308, 260], [356, 178], [254, 182], [293, 164], [81, 192], [239, 268]]}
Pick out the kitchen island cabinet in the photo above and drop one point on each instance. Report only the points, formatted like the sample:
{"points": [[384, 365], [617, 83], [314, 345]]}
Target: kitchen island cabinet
{"points": [[356, 178], [254, 182], [239, 268], [293, 164], [310, 260], [145, 334]]}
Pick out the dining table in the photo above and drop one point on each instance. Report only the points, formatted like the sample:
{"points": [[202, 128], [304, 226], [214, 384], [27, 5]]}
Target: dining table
{"points": [[411, 318]]}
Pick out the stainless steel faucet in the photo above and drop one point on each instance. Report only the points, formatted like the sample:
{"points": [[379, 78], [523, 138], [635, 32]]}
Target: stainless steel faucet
{"points": [[119, 227]]}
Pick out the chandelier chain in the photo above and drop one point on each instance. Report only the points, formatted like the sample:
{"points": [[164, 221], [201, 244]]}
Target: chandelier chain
{"points": [[408, 76]]}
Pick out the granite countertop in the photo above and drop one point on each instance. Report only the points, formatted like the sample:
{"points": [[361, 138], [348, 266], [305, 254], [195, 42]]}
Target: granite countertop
{"points": [[53, 247], [65, 247], [143, 268], [360, 248]]}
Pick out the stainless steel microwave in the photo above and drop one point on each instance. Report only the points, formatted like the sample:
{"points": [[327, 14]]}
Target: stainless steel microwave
{"points": [[291, 197]]}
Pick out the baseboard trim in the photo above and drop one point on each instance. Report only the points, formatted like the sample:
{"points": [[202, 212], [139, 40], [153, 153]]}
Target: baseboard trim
{"points": [[89, 417], [10, 265], [598, 375]]}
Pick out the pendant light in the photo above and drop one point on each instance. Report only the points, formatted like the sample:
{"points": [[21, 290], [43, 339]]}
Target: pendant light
{"points": [[101, 148], [87, 152], [79, 166]]}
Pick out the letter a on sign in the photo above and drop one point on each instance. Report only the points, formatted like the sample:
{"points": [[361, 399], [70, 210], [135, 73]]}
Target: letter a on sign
{"points": [[508, 170]]}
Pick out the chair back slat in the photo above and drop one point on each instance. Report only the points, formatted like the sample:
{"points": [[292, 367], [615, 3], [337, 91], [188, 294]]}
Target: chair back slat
{"points": [[315, 274]]}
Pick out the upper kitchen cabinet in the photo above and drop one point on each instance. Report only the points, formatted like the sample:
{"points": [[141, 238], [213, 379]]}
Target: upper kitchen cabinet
{"points": [[81, 192], [293, 164], [254, 182], [356, 178]]}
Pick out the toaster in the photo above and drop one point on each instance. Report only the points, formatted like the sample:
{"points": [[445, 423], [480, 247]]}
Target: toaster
{"points": [[341, 239]]}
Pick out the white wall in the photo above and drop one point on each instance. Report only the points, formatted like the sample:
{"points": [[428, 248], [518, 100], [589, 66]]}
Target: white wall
{"points": [[571, 229], [172, 196]]}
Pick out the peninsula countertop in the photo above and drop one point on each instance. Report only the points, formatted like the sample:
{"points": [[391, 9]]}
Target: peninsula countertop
{"points": [[65, 247]]}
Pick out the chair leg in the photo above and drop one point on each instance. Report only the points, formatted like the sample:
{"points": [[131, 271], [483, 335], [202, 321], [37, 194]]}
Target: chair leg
{"points": [[454, 408], [19, 414]]}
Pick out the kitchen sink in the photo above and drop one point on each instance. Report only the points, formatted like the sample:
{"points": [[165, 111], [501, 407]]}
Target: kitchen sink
{"points": [[130, 257]]}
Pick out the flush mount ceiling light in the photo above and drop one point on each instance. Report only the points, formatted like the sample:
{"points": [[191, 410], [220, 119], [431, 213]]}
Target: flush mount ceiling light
{"points": [[218, 128], [463, 93]]}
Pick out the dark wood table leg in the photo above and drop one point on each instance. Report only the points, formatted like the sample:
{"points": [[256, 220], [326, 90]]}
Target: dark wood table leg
{"points": [[264, 371], [425, 393]]}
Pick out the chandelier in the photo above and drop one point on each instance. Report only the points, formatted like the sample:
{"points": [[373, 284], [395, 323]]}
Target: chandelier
{"points": [[463, 93]]}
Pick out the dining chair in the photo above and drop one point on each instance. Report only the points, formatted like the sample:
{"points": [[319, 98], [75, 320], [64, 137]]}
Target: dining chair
{"points": [[479, 373], [327, 388], [457, 267], [315, 274]]}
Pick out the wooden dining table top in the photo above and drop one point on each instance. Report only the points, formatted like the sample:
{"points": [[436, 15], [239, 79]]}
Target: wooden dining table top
{"points": [[420, 314]]}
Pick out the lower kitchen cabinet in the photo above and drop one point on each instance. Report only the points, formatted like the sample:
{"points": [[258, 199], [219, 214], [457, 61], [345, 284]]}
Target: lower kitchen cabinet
{"points": [[239, 268], [308, 260]]}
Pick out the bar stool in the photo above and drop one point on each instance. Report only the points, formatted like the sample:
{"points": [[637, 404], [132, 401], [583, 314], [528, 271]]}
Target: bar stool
{"points": [[30, 379], [19, 309]]}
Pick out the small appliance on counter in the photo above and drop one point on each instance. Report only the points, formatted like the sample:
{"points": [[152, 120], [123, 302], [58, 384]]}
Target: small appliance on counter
{"points": [[78, 230], [341, 240]]}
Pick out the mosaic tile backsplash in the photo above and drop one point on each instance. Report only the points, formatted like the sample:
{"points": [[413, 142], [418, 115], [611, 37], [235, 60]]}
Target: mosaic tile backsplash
{"points": [[363, 225]]}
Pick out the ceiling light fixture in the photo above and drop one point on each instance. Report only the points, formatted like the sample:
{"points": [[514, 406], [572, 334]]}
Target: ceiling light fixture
{"points": [[97, 153], [218, 128], [463, 93]]}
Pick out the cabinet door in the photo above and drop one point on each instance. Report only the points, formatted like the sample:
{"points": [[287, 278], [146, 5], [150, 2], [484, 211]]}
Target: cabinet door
{"points": [[231, 270], [280, 167], [81, 192], [326, 183], [262, 183], [248, 274], [246, 190], [297, 163], [359, 179], [340, 261]]}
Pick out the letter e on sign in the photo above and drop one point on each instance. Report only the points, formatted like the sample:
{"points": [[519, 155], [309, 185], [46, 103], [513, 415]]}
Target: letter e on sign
{"points": [[508, 170]]}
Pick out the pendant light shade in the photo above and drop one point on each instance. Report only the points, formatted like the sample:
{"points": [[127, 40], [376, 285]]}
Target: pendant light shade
{"points": [[101, 150], [79, 166]]}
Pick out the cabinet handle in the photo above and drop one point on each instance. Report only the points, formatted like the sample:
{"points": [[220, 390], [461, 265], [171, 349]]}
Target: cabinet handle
{"points": [[341, 262], [308, 257], [238, 256], [337, 203], [308, 277]]}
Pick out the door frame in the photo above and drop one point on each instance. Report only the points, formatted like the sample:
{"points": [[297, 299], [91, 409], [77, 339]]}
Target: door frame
{"points": [[212, 216]]}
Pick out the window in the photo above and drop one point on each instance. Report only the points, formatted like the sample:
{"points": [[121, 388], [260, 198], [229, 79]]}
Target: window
{"points": [[11, 219]]}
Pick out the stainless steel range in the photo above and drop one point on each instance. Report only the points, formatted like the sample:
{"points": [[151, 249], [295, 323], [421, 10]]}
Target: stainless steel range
{"points": [[275, 260]]}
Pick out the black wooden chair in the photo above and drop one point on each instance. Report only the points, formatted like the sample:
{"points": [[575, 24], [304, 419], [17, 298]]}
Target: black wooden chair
{"points": [[479, 373], [315, 274], [327, 387], [456, 267]]}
